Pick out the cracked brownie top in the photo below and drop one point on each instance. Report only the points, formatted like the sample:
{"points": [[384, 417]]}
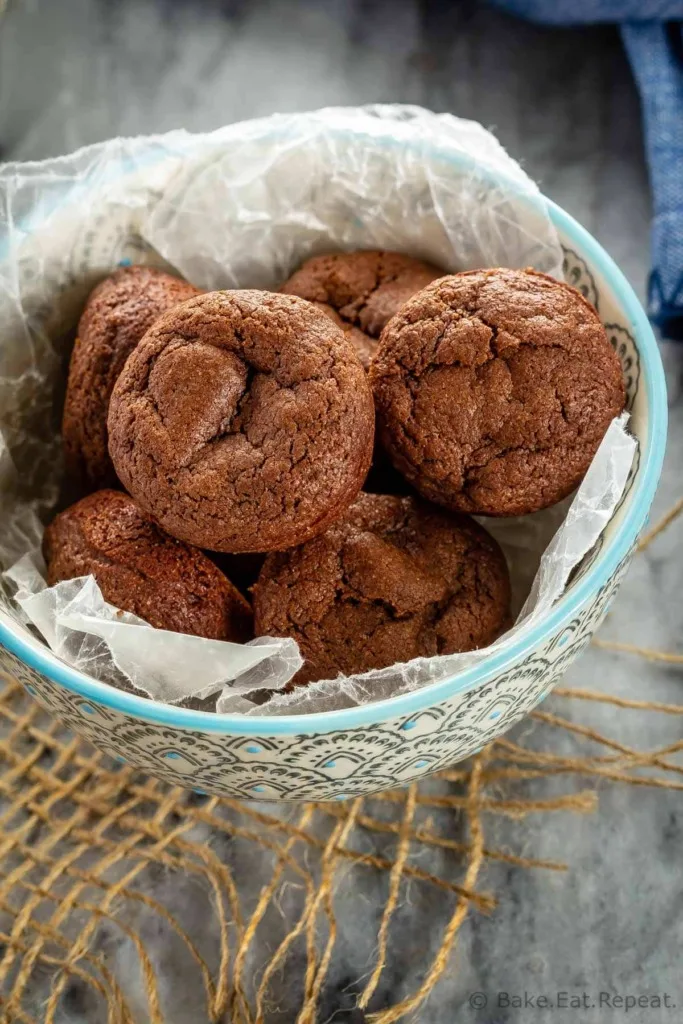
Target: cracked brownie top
{"points": [[494, 389], [395, 579], [361, 290], [243, 421], [117, 314], [140, 569]]}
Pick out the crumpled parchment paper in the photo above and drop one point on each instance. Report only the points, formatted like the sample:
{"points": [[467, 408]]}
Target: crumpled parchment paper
{"points": [[243, 207]]}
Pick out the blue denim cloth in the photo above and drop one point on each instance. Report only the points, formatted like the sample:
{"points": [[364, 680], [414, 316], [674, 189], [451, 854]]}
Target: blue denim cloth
{"points": [[652, 31]]}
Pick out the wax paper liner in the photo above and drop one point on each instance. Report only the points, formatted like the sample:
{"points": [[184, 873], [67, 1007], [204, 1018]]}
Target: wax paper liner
{"points": [[242, 207]]}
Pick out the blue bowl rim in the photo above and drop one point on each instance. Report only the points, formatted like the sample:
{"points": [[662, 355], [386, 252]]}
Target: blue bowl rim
{"points": [[45, 662]]}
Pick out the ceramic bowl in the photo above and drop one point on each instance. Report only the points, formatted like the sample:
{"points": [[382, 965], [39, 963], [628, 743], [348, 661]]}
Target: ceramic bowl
{"points": [[342, 754]]}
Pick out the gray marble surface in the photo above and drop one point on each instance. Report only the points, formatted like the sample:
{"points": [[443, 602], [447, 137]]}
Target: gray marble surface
{"points": [[563, 103]]}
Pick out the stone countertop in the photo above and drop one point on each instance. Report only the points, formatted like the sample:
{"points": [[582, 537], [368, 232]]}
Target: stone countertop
{"points": [[563, 103]]}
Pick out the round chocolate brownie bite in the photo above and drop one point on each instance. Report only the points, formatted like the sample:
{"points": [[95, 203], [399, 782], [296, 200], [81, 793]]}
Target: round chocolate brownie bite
{"points": [[243, 422], [361, 290], [117, 314], [494, 389], [395, 579], [363, 345], [140, 569]]}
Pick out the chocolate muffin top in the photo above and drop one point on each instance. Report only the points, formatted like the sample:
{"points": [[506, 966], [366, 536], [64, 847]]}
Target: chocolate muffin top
{"points": [[140, 569], [494, 389], [243, 421], [116, 315], [362, 289], [363, 345], [395, 579]]}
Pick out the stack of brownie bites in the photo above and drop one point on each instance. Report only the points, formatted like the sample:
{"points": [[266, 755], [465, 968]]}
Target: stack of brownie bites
{"points": [[225, 442]]}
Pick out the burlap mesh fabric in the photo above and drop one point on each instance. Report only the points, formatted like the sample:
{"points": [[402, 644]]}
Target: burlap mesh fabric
{"points": [[82, 838]]}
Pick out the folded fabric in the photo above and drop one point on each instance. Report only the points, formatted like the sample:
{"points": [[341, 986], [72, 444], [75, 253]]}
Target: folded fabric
{"points": [[652, 31]]}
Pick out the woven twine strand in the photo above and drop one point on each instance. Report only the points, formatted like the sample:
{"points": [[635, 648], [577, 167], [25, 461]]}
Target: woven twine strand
{"points": [[266, 896], [395, 876], [404, 836], [660, 526], [54, 935], [81, 944], [55, 817], [50, 878], [426, 837], [315, 975], [48, 843], [369, 860], [280, 953], [441, 959], [129, 894]]}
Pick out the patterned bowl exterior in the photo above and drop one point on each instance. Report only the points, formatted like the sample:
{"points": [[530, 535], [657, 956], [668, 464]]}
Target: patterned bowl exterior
{"points": [[270, 759], [332, 765]]}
